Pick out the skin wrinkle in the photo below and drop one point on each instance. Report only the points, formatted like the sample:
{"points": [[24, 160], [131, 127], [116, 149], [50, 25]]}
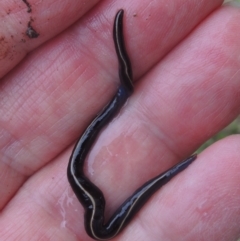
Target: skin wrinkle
{"points": [[80, 221], [8, 146], [88, 53], [18, 165], [73, 12], [150, 117], [34, 197], [19, 150], [19, 107], [157, 131], [132, 134], [42, 124], [234, 75], [111, 73], [35, 200]]}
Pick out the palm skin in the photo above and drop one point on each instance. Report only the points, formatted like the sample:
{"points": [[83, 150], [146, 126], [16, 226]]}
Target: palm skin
{"points": [[185, 57]]}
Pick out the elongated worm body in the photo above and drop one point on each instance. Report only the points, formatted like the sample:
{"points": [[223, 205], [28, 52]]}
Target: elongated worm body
{"points": [[90, 196]]}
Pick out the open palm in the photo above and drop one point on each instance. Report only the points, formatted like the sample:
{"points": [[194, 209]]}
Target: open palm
{"points": [[185, 60]]}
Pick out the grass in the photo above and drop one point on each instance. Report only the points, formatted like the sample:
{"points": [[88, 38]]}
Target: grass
{"points": [[238, 1], [233, 128]]}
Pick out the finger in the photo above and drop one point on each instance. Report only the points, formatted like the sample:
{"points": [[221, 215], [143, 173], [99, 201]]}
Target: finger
{"points": [[27, 25], [192, 89], [42, 215], [200, 203], [41, 110]]}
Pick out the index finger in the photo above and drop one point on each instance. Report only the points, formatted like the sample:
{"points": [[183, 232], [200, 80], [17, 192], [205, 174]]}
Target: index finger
{"points": [[27, 25]]}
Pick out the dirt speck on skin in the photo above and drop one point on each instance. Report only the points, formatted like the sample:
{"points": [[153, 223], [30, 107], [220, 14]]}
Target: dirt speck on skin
{"points": [[4, 48], [31, 32], [28, 6]]}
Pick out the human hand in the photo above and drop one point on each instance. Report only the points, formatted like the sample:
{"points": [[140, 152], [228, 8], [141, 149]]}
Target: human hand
{"points": [[186, 70]]}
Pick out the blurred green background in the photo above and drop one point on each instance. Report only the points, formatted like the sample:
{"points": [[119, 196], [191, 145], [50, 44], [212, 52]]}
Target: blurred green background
{"points": [[238, 1], [233, 128]]}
